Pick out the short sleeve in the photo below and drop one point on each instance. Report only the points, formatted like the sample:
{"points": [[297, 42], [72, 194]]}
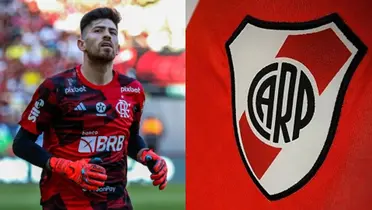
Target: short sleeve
{"points": [[39, 113]]}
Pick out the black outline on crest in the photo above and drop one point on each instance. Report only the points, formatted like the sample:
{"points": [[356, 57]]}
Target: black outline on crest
{"points": [[362, 50]]}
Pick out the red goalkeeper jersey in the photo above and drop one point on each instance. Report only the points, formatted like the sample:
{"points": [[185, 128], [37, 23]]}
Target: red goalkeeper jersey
{"points": [[283, 89], [83, 120]]}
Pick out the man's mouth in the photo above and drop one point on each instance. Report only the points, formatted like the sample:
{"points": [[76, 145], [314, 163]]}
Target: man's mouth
{"points": [[106, 44]]}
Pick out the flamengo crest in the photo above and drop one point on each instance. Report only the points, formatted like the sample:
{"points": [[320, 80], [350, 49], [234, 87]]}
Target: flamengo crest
{"points": [[288, 85]]}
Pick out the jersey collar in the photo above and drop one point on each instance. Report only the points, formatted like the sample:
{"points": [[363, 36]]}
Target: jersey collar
{"points": [[91, 85]]}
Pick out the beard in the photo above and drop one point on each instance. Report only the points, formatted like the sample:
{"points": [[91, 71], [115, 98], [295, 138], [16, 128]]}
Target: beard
{"points": [[101, 57]]}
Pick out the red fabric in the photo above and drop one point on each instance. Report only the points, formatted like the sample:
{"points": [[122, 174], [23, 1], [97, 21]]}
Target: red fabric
{"points": [[163, 69], [343, 181]]}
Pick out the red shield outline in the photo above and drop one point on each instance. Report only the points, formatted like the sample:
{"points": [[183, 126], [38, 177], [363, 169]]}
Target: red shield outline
{"points": [[347, 32]]}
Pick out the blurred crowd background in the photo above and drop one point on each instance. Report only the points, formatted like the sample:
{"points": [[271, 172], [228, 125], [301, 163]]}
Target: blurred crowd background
{"points": [[38, 39]]}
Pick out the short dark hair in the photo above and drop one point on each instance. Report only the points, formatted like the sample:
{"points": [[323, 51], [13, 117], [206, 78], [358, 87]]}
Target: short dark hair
{"points": [[100, 13]]}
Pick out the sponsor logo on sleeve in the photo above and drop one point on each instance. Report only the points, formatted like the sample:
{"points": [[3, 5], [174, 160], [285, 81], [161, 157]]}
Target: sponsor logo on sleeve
{"points": [[35, 111]]}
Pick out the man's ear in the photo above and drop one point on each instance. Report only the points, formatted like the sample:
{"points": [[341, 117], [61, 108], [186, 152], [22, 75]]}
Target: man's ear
{"points": [[81, 44]]}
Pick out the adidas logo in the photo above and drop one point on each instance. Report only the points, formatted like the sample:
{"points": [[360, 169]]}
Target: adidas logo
{"points": [[80, 107]]}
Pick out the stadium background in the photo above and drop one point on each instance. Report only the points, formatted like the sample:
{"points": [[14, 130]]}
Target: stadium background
{"points": [[38, 39]]}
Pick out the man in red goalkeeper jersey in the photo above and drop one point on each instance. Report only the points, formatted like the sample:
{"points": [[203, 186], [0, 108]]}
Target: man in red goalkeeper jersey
{"points": [[90, 117]]}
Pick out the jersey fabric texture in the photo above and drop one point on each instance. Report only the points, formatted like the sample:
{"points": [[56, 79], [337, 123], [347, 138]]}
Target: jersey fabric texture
{"points": [[283, 90], [83, 120]]}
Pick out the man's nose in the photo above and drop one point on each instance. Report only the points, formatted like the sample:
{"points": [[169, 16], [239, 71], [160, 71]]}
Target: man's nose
{"points": [[107, 35]]}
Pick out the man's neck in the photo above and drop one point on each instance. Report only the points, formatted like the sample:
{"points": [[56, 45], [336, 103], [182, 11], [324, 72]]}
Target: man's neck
{"points": [[97, 73]]}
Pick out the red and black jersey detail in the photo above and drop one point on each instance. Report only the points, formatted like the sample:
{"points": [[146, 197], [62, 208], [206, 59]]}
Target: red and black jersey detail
{"points": [[83, 120]]}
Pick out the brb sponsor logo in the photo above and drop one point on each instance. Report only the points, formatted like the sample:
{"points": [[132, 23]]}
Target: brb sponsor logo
{"points": [[89, 144], [75, 89], [35, 111], [130, 90]]}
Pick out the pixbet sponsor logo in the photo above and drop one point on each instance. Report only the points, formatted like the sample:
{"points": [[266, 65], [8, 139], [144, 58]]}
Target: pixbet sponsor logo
{"points": [[130, 90], [89, 144], [35, 112], [75, 89]]}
